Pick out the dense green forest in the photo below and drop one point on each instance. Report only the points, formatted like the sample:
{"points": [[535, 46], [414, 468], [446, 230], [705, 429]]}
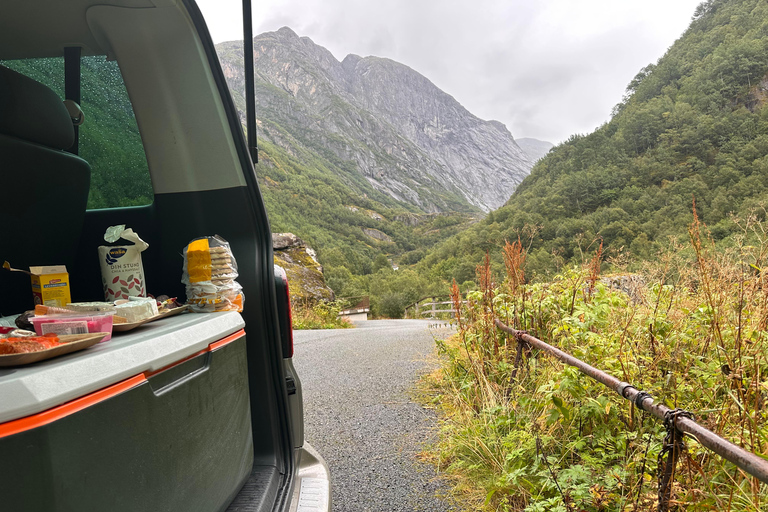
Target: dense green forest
{"points": [[692, 126]]}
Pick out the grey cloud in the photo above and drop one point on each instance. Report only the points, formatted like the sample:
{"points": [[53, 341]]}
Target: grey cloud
{"points": [[504, 60]]}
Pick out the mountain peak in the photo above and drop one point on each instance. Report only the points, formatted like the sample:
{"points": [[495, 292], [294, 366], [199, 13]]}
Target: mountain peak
{"points": [[386, 122], [286, 33], [500, 126], [350, 61], [534, 148]]}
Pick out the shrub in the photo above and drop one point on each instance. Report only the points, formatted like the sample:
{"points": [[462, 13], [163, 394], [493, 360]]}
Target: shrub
{"points": [[392, 305], [322, 315]]}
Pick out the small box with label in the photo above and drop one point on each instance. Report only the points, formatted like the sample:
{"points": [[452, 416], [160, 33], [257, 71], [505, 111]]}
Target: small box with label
{"points": [[50, 285], [74, 323]]}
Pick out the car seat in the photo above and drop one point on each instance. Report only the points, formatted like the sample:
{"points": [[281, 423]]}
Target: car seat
{"points": [[44, 189]]}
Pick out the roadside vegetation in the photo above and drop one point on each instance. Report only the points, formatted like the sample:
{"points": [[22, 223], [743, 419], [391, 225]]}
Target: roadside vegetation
{"points": [[691, 329], [319, 315]]}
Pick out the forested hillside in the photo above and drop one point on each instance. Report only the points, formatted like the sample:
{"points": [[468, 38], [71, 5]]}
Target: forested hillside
{"points": [[692, 126], [350, 224], [360, 235]]}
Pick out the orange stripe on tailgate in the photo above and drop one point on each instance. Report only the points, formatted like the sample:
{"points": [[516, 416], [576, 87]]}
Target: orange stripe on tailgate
{"points": [[61, 411], [226, 341]]}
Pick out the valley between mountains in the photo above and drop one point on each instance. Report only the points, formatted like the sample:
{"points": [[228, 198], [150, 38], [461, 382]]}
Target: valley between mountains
{"points": [[367, 160]]}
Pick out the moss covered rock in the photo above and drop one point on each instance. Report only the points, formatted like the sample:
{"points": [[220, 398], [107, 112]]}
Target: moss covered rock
{"points": [[305, 274]]}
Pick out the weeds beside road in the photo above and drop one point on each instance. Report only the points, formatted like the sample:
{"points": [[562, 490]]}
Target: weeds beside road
{"points": [[319, 315], [545, 437]]}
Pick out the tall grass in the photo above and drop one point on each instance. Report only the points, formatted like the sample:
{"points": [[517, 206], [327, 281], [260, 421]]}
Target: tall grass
{"points": [[318, 315], [521, 431]]}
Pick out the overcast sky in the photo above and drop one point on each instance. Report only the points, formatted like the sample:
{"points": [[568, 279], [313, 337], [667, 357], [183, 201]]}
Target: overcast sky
{"points": [[545, 68]]}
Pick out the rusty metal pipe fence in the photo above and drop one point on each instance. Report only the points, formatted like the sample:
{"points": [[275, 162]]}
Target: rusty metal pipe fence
{"points": [[677, 421]]}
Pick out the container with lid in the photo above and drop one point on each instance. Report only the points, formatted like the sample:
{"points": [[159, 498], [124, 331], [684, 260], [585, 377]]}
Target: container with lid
{"points": [[74, 324]]}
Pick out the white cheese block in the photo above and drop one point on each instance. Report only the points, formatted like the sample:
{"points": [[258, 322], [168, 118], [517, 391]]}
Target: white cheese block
{"points": [[137, 310]]}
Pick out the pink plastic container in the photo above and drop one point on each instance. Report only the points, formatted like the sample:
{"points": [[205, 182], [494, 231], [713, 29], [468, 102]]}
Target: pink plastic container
{"points": [[74, 324]]}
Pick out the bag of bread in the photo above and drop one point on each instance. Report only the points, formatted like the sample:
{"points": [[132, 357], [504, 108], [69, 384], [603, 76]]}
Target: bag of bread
{"points": [[122, 274], [209, 273]]}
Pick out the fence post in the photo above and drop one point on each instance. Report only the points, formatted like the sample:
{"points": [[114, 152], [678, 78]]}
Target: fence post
{"points": [[521, 346], [434, 307], [670, 452]]}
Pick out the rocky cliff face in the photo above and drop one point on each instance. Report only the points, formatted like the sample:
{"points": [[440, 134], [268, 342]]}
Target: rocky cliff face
{"points": [[381, 119], [306, 280]]}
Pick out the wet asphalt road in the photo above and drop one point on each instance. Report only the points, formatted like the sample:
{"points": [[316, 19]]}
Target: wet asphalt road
{"points": [[360, 417]]}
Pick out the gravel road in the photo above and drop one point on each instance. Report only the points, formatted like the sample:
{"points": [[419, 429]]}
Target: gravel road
{"points": [[359, 416]]}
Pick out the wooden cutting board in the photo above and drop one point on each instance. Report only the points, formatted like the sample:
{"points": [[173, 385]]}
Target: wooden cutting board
{"points": [[133, 325]]}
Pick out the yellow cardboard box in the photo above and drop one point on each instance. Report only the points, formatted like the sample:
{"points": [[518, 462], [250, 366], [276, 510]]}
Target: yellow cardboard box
{"points": [[50, 285]]}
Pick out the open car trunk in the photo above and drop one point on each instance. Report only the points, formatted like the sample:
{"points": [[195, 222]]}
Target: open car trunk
{"points": [[184, 413]]}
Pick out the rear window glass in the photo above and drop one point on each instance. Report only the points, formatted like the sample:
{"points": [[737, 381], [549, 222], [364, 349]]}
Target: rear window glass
{"points": [[109, 137]]}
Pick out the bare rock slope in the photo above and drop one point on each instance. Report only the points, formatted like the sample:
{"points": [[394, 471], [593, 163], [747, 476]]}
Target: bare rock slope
{"points": [[381, 118]]}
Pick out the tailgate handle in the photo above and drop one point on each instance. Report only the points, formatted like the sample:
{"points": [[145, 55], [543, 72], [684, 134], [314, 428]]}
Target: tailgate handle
{"points": [[179, 374]]}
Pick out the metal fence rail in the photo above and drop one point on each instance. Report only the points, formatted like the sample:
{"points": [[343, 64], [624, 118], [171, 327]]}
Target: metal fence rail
{"points": [[676, 420], [440, 304]]}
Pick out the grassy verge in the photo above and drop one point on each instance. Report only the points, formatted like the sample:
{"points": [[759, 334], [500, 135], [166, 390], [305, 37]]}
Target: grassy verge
{"points": [[540, 436], [322, 315]]}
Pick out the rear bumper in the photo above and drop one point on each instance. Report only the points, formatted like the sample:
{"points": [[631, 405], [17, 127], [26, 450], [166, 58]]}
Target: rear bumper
{"points": [[311, 487], [312, 492]]}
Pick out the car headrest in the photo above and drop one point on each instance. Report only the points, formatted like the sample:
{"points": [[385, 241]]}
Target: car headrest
{"points": [[33, 112]]}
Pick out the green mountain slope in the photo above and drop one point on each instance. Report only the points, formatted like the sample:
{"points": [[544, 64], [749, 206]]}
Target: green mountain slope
{"points": [[693, 125], [348, 223]]}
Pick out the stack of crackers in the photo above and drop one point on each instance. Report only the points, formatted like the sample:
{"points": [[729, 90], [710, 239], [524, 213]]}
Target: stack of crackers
{"points": [[210, 271]]}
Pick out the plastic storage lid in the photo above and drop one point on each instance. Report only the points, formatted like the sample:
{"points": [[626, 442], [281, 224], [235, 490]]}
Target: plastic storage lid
{"points": [[31, 389], [71, 316]]}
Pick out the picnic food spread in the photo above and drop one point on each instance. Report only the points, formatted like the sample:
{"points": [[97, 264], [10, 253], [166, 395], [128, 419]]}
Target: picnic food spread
{"points": [[209, 273]]}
